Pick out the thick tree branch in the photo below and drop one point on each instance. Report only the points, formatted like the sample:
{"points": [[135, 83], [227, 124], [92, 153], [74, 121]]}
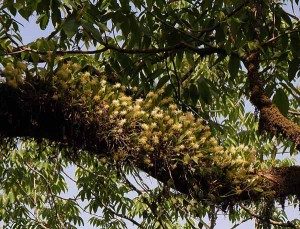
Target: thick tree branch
{"points": [[33, 111], [271, 119]]}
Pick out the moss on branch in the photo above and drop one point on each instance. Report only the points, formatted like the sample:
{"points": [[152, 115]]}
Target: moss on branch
{"points": [[85, 112]]}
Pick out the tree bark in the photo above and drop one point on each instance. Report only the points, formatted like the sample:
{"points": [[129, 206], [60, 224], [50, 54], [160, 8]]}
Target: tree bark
{"points": [[31, 111], [271, 120]]}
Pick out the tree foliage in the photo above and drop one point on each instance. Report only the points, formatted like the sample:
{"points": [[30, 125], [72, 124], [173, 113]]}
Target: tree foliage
{"points": [[120, 90]]}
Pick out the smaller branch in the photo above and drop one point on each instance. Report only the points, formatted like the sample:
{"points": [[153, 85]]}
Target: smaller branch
{"points": [[177, 79], [170, 78], [68, 176], [86, 170], [274, 39], [294, 91], [240, 223], [144, 199], [139, 192], [53, 33], [292, 16], [140, 181], [271, 119], [124, 217], [273, 222], [192, 225], [58, 53], [54, 204], [8, 36], [236, 10], [33, 201], [180, 46], [169, 25], [191, 70], [212, 215]]}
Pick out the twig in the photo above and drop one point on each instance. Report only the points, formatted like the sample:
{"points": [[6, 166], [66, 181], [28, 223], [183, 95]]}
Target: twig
{"points": [[50, 191], [273, 39], [238, 224], [236, 10], [273, 222], [125, 217], [180, 46]]}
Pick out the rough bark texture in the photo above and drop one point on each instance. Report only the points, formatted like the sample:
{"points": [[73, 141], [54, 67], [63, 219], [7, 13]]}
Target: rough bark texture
{"points": [[31, 111], [271, 119]]}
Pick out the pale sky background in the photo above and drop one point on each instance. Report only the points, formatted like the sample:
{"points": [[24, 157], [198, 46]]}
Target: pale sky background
{"points": [[31, 31]]}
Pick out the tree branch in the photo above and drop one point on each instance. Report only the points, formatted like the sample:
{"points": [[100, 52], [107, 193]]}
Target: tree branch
{"points": [[271, 119], [273, 222], [180, 46], [232, 13], [32, 111]]}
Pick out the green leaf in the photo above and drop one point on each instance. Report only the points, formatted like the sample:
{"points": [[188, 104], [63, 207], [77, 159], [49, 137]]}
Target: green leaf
{"points": [[43, 21], [178, 59], [168, 90], [285, 17], [70, 27], [55, 12], [190, 58], [233, 66], [41, 44], [149, 4], [204, 91], [162, 81], [25, 13], [293, 68], [295, 44], [135, 30], [284, 39], [125, 5], [220, 35], [10, 6], [194, 93], [91, 29], [11, 197], [35, 57], [281, 100], [137, 3]]}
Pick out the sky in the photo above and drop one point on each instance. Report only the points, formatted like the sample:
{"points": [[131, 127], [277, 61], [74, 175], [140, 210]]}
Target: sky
{"points": [[30, 31]]}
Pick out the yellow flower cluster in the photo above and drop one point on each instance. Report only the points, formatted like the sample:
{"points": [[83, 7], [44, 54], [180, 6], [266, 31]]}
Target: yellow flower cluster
{"points": [[14, 73], [145, 127]]}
